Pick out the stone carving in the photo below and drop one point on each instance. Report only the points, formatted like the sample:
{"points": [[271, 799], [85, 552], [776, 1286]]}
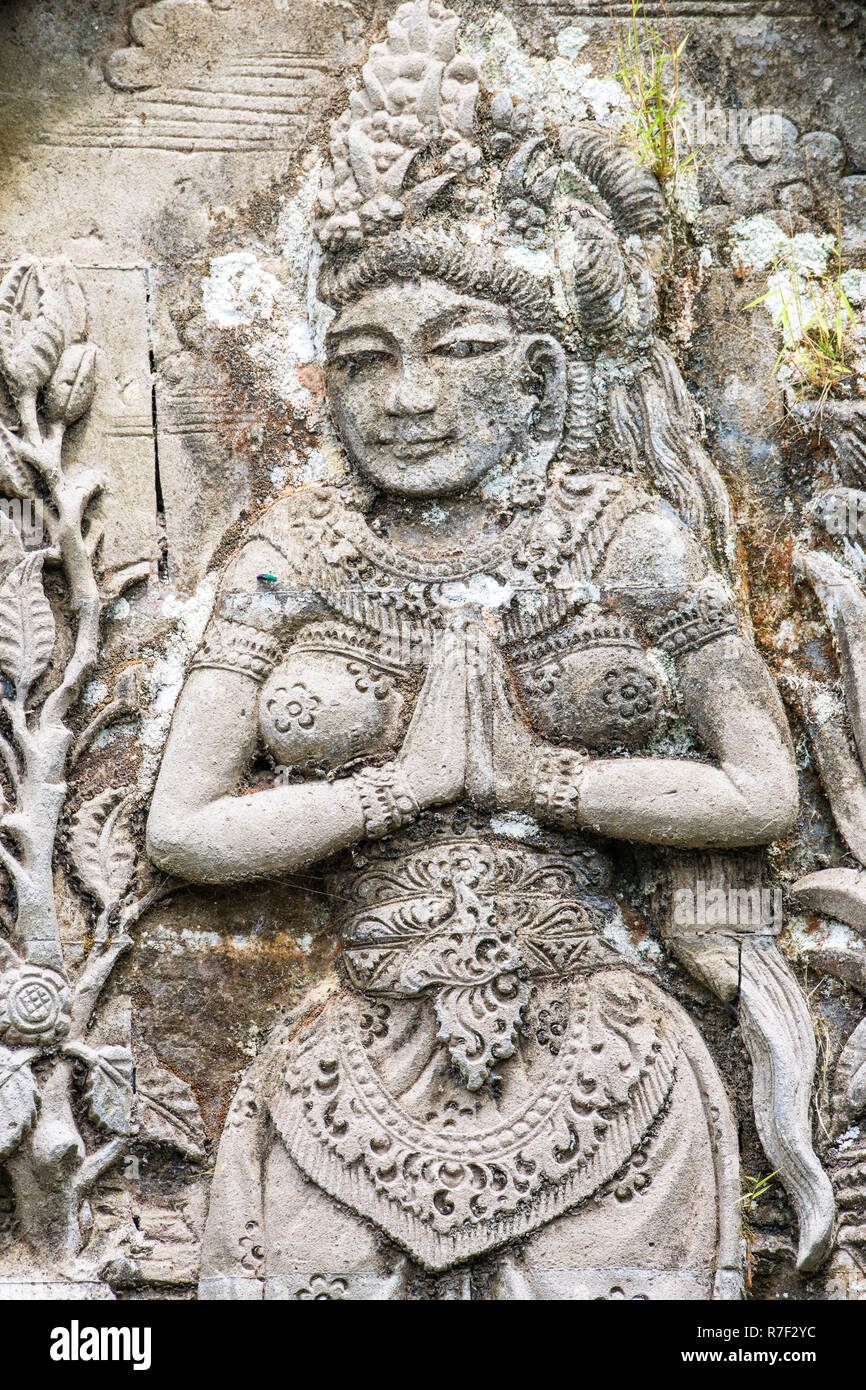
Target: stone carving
{"points": [[255, 89], [835, 728], [67, 1106], [459, 657]]}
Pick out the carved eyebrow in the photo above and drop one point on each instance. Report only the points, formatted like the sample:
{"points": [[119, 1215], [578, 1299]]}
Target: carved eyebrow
{"points": [[336, 337], [374, 330], [458, 317]]}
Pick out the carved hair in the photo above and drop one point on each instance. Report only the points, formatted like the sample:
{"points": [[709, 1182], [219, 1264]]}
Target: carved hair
{"points": [[654, 425], [631, 192], [442, 257]]}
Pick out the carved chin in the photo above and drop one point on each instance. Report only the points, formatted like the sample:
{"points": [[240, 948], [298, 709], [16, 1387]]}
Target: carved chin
{"points": [[419, 476]]}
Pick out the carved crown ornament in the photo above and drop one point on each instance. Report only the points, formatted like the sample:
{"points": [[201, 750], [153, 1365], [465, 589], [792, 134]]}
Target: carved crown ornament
{"points": [[421, 173]]}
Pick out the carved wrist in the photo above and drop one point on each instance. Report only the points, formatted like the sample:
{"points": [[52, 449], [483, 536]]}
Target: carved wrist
{"points": [[387, 802], [556, 783]]}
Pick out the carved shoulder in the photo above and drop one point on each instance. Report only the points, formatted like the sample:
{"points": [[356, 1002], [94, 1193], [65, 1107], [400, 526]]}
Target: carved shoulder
{"points": [[657, 572], [653, 561], [255, 557]]}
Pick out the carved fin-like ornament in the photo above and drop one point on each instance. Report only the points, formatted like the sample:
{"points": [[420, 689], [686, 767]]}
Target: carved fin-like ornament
{"points": [[780, 1037]]}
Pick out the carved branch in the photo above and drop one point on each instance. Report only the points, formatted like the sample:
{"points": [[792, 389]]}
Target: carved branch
{"points": [[10, 762], [98, 1162], [13, 867], [124, 703], [106, 951]]}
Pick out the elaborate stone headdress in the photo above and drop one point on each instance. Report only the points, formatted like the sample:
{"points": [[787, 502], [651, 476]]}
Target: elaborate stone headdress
{"points": [[431, 175]]}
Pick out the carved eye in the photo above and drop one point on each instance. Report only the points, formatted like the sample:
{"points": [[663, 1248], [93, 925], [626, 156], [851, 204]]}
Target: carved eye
{"points": [[351, 363], [466, 347]]}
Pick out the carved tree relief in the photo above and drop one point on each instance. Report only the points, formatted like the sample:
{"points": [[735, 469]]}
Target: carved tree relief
{"points": [[52, 1061]]}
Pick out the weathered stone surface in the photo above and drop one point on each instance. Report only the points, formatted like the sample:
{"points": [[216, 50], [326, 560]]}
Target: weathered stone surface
{"points": [[432, 690]]}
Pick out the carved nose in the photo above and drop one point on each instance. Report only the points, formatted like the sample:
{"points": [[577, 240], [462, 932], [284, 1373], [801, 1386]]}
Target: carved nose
{"points": [[416, 393]]}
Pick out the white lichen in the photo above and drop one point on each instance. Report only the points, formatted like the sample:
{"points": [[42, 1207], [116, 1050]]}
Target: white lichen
{"points": [[557, 89], [759, 243], [238, 291]]}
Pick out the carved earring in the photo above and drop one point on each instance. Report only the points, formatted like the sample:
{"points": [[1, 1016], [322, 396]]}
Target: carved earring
{"points": [[546, 378]]}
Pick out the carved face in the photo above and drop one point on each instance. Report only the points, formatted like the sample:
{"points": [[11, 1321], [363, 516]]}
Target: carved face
{"points": [[430, 388]]}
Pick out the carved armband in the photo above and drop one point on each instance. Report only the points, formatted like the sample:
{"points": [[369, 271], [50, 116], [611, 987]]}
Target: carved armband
{"points": [[387, 802], [244, 635], [700, 617], [556, 783]]}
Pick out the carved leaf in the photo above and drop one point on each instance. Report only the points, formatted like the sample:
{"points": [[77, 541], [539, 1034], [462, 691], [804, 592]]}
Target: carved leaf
{"points": [[363, 166], [70, 391], [31, 328], [62, 276], [166, 1108], [837, 763], [839, 893], [101, 845], [18, 1095], [11, 545], [26, 625], [15, 477], [109, 1092], [846, 963], [849, 1082], [845, 606]]}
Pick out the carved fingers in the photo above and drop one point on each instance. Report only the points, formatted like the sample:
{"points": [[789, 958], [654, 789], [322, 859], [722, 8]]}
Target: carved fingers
{"points": [[499, 745], [433, 756], [467, 735]]}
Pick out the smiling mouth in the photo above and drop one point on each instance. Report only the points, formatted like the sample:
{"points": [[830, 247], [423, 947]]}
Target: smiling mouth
{"points": [[415, 448]]}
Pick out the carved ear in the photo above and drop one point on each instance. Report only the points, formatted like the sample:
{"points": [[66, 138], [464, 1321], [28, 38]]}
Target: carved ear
{"points": [[547, 378]]}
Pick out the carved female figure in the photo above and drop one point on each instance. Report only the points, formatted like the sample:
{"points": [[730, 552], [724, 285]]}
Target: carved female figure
{"points": [[464, 656]]}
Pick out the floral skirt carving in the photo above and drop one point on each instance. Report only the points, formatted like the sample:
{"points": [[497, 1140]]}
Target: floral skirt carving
{"points": [[608, 1090]]}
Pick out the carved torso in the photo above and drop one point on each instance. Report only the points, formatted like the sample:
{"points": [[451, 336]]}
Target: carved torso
{"points": [[477, 953], [583, 669]]}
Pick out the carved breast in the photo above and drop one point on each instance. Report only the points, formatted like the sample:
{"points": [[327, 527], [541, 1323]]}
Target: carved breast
{"points": [[326, 708], [329, 701], [591, 684]]}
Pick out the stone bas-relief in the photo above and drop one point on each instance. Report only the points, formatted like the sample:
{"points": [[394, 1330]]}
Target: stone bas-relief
{"points": [[68, 1101], [493, 663], [480, 761]]}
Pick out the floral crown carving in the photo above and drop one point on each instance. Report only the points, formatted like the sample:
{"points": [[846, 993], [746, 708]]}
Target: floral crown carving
{"points": [[411, 166]]}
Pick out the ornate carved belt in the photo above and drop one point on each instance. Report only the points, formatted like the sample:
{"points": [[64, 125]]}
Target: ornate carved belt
{"points": [[468, 921]]}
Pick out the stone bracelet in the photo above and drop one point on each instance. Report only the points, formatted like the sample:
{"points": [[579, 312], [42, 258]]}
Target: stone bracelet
{"points": [[555, 782], [387, 802]]}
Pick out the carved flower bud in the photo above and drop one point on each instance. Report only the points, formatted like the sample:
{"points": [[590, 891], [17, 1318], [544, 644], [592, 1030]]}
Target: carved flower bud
{"points": [[70, 390], [32, 331]]}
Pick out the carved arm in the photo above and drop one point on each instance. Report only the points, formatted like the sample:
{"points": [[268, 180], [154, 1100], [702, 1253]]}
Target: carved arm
{"points": [[204, 829], [749, 797]]}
